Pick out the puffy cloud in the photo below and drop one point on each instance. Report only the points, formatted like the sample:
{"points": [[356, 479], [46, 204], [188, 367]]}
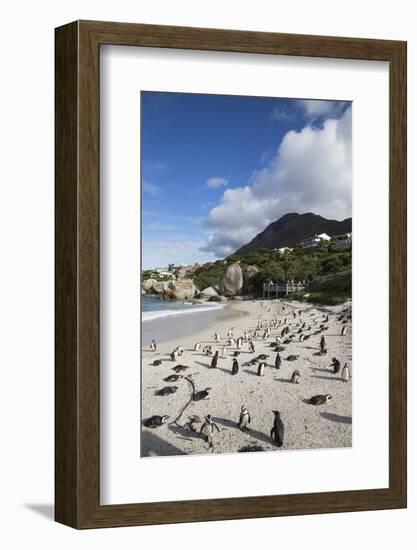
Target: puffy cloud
{"points": [[322, 107], [310, 172], [217, 182]]}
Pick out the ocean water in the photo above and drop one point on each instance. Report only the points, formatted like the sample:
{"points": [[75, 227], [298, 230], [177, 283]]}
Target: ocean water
{"points": [[167, 320], [154, 308]]}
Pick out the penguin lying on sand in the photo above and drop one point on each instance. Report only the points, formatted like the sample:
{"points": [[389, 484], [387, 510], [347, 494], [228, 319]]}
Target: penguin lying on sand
{"points": [[319, 399], [180, 368], [155, 421], [167, 390]]}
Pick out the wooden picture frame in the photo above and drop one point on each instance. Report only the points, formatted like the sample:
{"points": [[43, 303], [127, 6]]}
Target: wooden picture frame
{"points": [[77, 383]]}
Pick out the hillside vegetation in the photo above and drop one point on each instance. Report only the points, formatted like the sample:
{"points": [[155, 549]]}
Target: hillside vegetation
{"points": [[328, 273]]}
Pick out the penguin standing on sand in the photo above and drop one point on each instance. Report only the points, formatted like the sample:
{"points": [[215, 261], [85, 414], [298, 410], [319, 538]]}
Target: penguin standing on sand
{"points": [[217, 337], [278, 361], [235, 366], [244, 419], [277, 432], [153, 345], [345, 373], [344, 329], [224, 349], [207, 429], [251, 347], [295, 377], [323, 346], [336, 365], [214, 360], [261, 369], [197, 346]]}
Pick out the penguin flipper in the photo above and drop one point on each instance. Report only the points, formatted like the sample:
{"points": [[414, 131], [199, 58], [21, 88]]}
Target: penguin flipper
{"points": [[272, 433]]}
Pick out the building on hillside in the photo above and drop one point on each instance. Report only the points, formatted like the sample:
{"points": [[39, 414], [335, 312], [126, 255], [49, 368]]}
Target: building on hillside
{"points": [[283, 250], [314, 241], [341, 242]]}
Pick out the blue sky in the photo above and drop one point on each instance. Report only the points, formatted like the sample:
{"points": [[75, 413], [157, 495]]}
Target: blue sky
{"points": [[212, 169]]}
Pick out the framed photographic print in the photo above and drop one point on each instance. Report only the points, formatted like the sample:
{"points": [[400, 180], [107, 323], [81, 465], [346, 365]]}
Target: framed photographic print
{"points": [[230, 274]]}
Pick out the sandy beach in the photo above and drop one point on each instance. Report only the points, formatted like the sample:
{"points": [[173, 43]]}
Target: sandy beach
{"points": [[306, 426]]}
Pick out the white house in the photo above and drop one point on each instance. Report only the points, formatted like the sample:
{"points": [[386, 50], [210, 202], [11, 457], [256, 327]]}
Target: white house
{"points": [[342, 242], [314, 241]]}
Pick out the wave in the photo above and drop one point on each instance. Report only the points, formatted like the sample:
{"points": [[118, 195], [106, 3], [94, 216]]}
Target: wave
{"points": [[158, 314]]}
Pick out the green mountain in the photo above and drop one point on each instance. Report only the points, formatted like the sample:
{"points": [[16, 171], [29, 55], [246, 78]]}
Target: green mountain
{"points": [[292, 228]]}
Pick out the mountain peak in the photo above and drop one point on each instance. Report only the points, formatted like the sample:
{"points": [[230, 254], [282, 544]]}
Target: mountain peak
{"points": [[292, 228]]}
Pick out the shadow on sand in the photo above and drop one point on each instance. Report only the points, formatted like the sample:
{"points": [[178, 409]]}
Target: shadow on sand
{"points": [[327, 377], [153, 445], [337, 417], [250, 431]]}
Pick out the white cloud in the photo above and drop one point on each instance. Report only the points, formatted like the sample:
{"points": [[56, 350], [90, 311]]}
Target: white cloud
{"points": [[322, 108], [177, 250], [310, 172], [217, 182], [150, 188]]}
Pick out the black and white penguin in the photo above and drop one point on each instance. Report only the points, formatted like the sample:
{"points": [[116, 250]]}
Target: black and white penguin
{"points": [[295, 377], [224, 350], [167, 390], [262, 357], [323, 346], [173, 377], [239, 342], [180, 368], [251, 347], [155, 421], [235, 366], [277, 431], [319, 399], [278, 361], [292, 358], [214, 360], [156, 363], [261, 369], [153, 345], [244, 418], [207, 429], [201, 395], [217, 337], [336, 365], [345, 373], [344, 329], [174, 355], [197, 346]]}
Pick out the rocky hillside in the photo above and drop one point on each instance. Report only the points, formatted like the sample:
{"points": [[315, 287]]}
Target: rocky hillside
{"points": [[292, 228]]}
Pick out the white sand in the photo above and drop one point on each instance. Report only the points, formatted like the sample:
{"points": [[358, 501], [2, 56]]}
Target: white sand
{"points": [[306, 426]]}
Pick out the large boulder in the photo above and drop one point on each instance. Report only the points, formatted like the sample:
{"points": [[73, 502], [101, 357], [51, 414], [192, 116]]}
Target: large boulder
{"points": [[249, 272], [148, 284], [208, 292], [161, 287], [232, 280], [183, 289]]}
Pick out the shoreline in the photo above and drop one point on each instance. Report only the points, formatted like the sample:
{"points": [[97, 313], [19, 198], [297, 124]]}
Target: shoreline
{"points": [[186, 323]]}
